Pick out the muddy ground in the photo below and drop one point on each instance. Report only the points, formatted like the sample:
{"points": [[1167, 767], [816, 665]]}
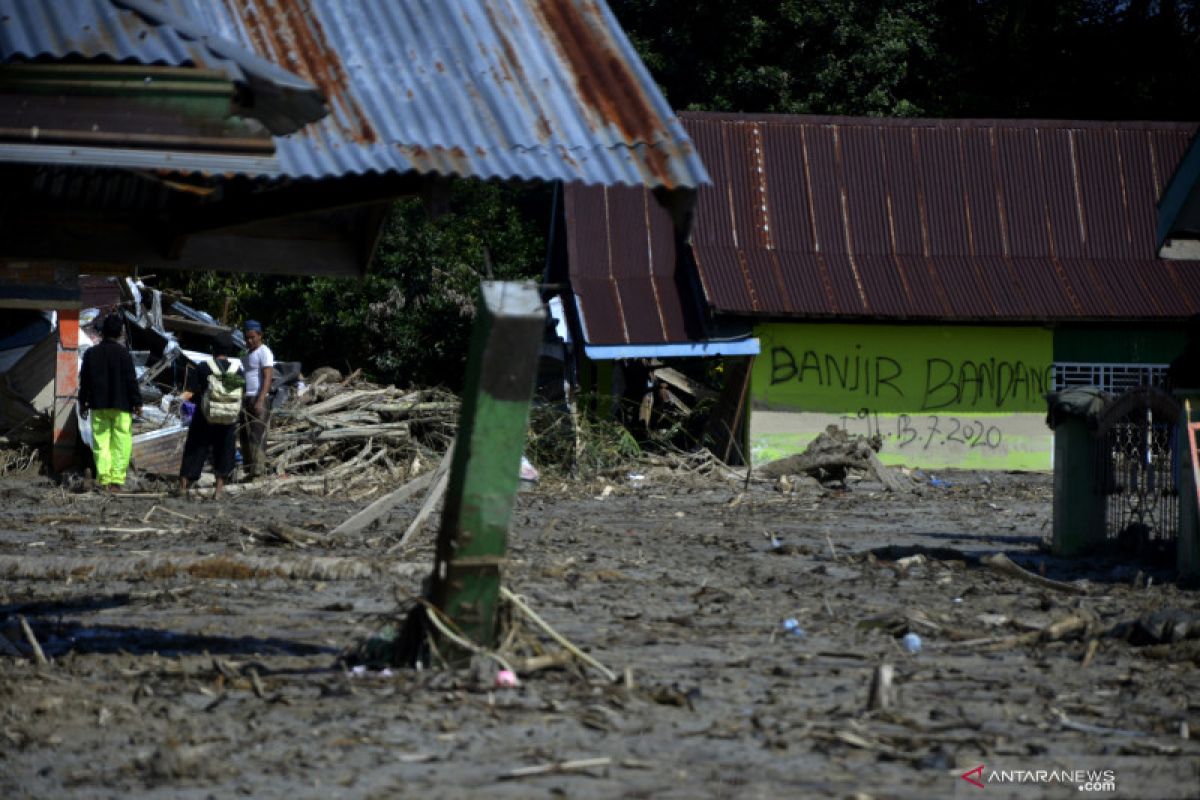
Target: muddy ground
{"points": [[189, 659]]}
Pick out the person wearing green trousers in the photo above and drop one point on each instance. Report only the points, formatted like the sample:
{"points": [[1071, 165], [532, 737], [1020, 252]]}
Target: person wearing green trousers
{"points": [[108, 390]]}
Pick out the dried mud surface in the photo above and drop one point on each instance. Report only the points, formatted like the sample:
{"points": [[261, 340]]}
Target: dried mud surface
{"points": [[188, 661]]}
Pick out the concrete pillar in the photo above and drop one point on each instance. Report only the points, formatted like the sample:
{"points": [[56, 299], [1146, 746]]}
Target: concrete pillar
{"points": [[66, 388], [1078, 506]]}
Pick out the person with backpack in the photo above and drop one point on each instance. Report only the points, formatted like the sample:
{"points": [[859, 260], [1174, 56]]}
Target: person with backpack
{"points": [[216, 387], [108, 390]]}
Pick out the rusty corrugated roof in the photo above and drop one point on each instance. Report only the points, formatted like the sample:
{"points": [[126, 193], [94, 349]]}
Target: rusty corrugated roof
{"points": [[143, 32], [900, 219], [519, 89], [1014, 220]]}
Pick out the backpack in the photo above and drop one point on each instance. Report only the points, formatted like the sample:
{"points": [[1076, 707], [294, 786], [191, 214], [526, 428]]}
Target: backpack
{"points": [[223, 400]]}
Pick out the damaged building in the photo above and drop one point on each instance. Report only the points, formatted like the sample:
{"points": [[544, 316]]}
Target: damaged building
{"points": [[140, 137]]}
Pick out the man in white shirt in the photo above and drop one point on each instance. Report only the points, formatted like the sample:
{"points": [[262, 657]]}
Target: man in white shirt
{"points": [[256, 405]]}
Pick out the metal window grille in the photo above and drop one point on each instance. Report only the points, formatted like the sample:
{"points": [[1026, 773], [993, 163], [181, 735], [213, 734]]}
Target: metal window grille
{"points": [[1112, 378]]}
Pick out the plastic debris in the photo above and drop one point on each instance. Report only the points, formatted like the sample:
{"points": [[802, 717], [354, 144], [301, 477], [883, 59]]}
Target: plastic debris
{"points": [[938, 482], [529, 471], [792, 626], [507, 679], [911, 643]]}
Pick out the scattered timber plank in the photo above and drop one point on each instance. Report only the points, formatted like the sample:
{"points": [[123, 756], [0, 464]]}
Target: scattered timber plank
{"points": [[344, 399], [383, 505], [442, 478], [556, 767], [38, 655], [683, 383], [886, 475], [882, 695]]}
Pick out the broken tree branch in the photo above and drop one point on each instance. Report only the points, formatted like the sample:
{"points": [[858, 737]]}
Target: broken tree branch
{"points": [[1006, 566]]}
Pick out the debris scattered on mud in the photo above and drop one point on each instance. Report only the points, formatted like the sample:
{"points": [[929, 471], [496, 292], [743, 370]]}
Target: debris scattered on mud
{"points": [[215, 678]]}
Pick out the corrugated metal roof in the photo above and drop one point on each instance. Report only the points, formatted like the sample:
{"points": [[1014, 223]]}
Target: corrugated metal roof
{"points": [[142, 32], [967, 220], [950, 219], [488, 89]]}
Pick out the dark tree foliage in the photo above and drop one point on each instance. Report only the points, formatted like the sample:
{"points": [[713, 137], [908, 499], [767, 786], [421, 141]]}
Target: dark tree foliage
{"points": [[1085, 59], [407, 322]]}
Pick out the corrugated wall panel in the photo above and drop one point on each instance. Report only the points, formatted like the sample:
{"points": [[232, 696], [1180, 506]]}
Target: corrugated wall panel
{"points": [[900, 180], [629, 238], [672, 312], [1089, 287], [807, 279], [924, 297], [787, 188], [1020, 183], [597, 299], [713, 218], [1058, 171], [588, 257], [981, 184], [1160, 285], [642, 318], [882, 283], [998, 278], [724, 282], [1100, 179], [718, 266], [1186, 276], [746, 199], [866, 209], [942, 183], [1140, 195], [1167, 148]]}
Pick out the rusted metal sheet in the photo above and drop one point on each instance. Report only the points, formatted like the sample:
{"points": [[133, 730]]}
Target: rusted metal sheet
{"points": [[490, 89], [825, 217], [951, 219], [147, 33]]}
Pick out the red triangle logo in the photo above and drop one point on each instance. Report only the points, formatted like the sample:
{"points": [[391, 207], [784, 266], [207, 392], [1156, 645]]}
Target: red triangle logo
{"points": [[977, 772]]}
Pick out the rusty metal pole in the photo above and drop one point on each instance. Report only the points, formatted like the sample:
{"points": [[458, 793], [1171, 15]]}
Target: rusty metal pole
{"points": [[484, 472]]}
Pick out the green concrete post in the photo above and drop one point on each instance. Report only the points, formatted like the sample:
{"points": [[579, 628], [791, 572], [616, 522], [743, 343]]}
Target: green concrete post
{"points": [[1078, 507], [484, 472], [1187, 558]]}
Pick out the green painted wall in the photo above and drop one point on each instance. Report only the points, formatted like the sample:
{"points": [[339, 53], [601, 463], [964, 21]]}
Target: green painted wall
{"points": [[1119, 345], [939, 396]]}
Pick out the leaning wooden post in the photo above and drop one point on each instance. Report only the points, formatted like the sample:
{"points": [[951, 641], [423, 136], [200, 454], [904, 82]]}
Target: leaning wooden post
{"points": [[485, 469]]}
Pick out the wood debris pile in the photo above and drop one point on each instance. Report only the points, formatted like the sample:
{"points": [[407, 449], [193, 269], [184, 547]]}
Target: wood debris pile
{"points": [[354, 437], [834, 456]]}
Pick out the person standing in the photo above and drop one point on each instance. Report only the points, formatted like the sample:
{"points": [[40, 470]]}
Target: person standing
{"points": [[108, 390], [216, 389], [256, 407]]}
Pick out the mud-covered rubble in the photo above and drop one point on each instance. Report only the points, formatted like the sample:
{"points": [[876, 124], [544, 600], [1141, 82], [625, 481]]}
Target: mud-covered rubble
{"points": [[216, 678]]}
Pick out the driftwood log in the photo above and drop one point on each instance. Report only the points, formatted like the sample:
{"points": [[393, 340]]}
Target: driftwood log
{"points": [[832, 454]]}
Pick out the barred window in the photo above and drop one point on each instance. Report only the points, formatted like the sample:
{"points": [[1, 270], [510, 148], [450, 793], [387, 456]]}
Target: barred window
{"points": [[1113, 378]]}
